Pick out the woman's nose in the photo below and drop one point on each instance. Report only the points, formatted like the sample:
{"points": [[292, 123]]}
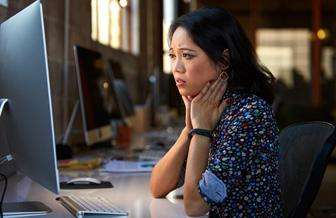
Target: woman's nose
{"points": [[178, 66]]}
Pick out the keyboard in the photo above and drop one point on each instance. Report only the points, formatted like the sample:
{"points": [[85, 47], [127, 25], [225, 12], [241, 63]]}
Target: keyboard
{"points": [[85, 205]]}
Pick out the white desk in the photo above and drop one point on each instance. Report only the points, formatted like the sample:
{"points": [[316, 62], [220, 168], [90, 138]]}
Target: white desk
{"points": [[131, 192]]}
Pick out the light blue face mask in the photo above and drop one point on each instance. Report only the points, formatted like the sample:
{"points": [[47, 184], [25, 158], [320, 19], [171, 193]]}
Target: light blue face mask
{"points": [[212, 187]]}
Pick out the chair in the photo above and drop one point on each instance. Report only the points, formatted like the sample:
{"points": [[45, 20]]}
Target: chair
{"points": [[304, 152]]}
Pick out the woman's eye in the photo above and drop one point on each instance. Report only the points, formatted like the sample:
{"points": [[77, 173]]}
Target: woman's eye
{"points": [[172, 56], [187, 56]]}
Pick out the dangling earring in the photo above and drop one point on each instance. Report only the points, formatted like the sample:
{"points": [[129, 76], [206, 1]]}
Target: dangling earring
{"points": [[224, 75]]}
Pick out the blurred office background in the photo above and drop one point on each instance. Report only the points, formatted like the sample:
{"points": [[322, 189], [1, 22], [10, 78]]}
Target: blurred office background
{"points": [[296, 40]]}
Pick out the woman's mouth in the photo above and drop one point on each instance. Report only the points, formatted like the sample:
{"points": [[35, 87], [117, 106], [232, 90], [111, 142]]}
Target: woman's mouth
{"points": [[180, 82]]}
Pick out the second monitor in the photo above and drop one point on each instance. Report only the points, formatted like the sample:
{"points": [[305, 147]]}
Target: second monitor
{"points": [[103, 96]]}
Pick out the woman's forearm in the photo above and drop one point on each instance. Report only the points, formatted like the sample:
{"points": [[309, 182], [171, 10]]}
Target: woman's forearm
{"points": [[196, 164], [166, 173]]}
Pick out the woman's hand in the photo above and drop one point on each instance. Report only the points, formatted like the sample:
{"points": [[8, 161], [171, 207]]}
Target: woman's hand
{"points": [[207, 107], [187, 103]]}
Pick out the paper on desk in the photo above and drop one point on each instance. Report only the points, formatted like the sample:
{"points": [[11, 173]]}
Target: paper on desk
{"points": [[122, 166]]}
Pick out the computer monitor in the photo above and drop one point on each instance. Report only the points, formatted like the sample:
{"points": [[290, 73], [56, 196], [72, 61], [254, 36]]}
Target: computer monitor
{"points": [[117, 79], [27, 120], [98, 104], [24, 81]]}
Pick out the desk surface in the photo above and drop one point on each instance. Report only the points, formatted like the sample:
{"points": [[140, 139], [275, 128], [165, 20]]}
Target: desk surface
{"points": [[131, 192]]}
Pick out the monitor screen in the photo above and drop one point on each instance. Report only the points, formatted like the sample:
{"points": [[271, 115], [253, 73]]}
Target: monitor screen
{"points": [[98, 104]]}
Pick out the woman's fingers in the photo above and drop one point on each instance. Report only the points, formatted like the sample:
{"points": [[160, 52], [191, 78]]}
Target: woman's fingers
{"points": [[213, 94], [220, 91], [202, 93], [211, 90], [185, 100]]}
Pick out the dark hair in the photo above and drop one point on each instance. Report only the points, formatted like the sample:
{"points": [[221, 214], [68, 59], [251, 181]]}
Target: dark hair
{"points": [[215, 29]]}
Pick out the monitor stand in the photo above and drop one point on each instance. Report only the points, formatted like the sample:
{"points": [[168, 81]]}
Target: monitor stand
{"points": [[63, 149], [29, 208], [20, 209]]}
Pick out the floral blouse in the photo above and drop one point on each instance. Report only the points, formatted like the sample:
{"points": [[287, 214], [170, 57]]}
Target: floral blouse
{"points": [[242, 177]]}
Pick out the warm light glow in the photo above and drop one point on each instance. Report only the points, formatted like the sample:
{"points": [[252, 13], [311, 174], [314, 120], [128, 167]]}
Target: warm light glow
{"points": [[123, 3], [110, 26], [167, 68], [94, 22], [322, 34], [103, 8], [114, 24], [105, 85]]}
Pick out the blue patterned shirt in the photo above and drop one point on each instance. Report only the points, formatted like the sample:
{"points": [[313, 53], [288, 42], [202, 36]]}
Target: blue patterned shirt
{"points": [[243, 161]]}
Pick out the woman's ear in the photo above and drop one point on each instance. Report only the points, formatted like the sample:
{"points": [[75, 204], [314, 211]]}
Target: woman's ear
{"points": [[226, 58], [226, 53], [224, 66]]}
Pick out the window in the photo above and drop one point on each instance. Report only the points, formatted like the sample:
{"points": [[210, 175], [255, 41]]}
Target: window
{"points": [[115, 23], [4, 3], [282, 50], [169, 14]]}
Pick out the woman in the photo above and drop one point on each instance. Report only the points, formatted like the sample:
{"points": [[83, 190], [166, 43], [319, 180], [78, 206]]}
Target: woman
{"points": [[232, 167]]}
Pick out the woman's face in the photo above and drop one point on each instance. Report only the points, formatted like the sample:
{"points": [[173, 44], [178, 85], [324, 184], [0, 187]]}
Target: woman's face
{"points": [[191, 67]]}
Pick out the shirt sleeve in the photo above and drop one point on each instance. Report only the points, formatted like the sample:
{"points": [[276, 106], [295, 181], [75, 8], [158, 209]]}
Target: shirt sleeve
{"points": [[211, 188], [237, 147]]}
